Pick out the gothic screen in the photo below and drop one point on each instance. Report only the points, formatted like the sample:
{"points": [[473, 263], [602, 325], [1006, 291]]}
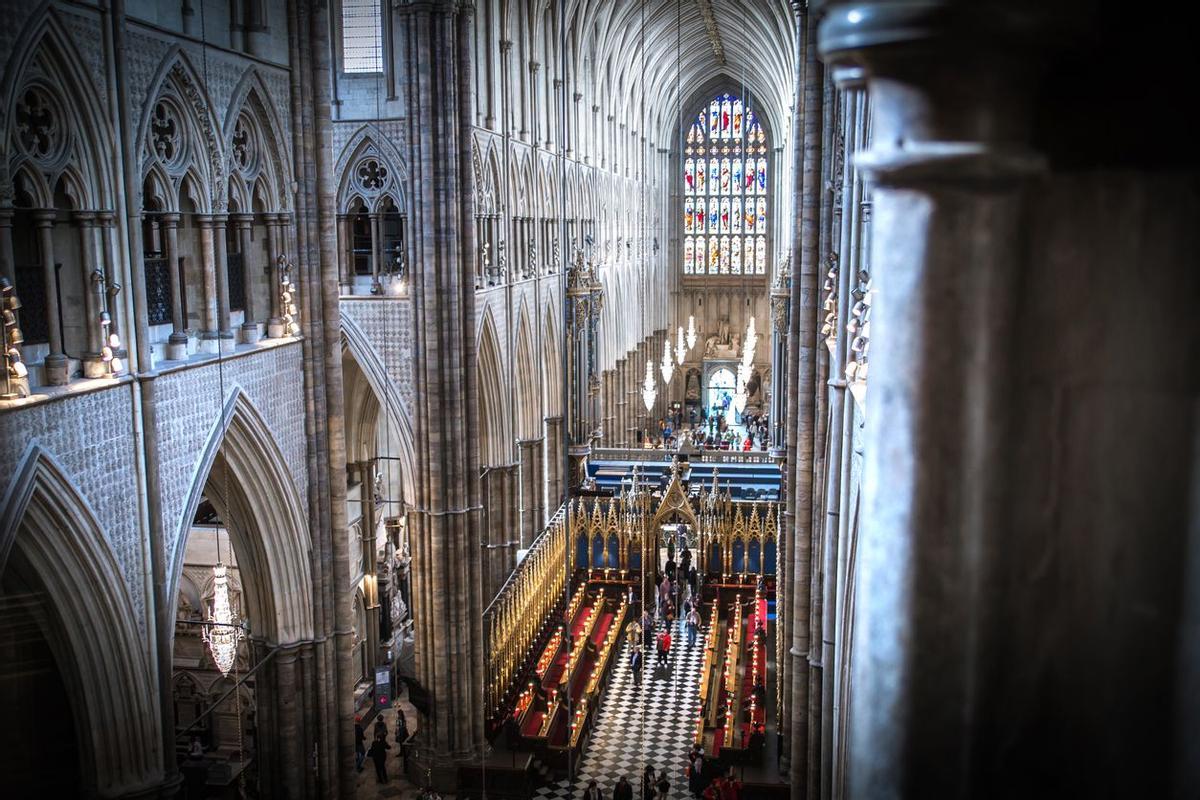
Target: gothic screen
{"points": [[725, 191]]}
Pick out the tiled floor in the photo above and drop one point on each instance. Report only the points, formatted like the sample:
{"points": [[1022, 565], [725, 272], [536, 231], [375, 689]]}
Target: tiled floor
{"points": [[397, 787], [639, 726]]}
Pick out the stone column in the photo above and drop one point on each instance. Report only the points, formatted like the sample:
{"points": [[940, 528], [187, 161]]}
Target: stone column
{"points": [[8, 266], [346, 267], [375, 254], [445, 521], [208, 334], [56, 366], [178, 340], [221, 263], [275, 248], [93, 303], [250, 333], [948, 158]]}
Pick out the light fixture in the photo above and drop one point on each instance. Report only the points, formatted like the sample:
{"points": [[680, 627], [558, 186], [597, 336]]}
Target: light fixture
{"points": [[112, 343], [14, 367], [680, 348], [649, 393], [691, 332], [222, 634], [667, 366], [287, 304]]}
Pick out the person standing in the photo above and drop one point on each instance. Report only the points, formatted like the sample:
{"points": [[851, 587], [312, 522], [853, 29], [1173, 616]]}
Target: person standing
{"points": [[381, 730], [401, 738], [623, 790], [693, 626], [378, 754], [648, 783], [593, 792], [635, 665]]}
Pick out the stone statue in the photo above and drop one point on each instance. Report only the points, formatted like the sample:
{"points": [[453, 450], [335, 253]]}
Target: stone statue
{"points": [[722, 344], [693, 386]]}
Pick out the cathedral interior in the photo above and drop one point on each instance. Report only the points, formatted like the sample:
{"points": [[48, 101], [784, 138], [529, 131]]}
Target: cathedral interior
{"points": [[598, 398]]}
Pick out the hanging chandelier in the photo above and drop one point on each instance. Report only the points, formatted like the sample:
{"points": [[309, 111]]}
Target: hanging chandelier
{"points": [[222, 635], [739, 396], [691, 332], [667, 367], [680, 348], [649, 393]]}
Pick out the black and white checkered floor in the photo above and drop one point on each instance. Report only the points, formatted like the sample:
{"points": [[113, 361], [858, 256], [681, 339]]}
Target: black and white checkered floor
{"points": [[639, 726]]}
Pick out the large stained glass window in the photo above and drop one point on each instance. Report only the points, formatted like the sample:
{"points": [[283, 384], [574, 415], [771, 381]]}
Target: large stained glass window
{"points": [[725, 191]]}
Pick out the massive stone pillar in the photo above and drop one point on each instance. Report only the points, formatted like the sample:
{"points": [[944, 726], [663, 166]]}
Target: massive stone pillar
{"points": [[1027, 543], [445, 520]]}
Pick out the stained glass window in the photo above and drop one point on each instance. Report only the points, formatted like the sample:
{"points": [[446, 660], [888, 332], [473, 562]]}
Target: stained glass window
{"points": [[725, 191]]}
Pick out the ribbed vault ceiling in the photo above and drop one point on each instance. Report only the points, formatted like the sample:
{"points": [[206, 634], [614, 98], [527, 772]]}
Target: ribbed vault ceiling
{"points": [[688, 44]]}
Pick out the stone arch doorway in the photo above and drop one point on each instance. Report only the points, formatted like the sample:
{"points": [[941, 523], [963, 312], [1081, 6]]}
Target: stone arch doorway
{"points": [[58, 568], [244, 496]]}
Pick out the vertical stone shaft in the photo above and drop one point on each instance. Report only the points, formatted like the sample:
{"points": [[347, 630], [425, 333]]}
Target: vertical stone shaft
{"points": [[947, 161], [445, 523], [208, 265], [804, 329], [221, 269], [170, 223], [337, 667]]}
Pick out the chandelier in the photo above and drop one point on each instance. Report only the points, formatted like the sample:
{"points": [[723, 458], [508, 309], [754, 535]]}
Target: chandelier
{"points": [[691, 332], [222, 634], [680, 348], [667, 366], [649, 393]]}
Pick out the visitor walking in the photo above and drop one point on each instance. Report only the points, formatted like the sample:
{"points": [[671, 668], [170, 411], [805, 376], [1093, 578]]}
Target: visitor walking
{"points": [[623, 790], [378, 754], [664, 647], [593, 792], [693, 627], [401, 738], [381, 730]]}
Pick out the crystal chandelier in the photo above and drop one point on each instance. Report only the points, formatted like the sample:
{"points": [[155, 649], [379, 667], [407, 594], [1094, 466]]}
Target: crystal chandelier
{"points": [[222, 634], [691, 332], [649, 393], [680, 348], [667, 366], [739, 396]]}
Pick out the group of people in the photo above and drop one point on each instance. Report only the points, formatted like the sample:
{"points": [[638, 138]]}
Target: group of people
{"points": [[707, 780], [379, 747]]}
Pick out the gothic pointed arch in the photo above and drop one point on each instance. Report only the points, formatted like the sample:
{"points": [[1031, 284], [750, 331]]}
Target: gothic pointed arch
{"points": [[252, 136], [370, 167], [552, 359], [52, 113], [526, 374], [179, 132], [494, 437], [50, 540], [397, 411], [245, 476]]}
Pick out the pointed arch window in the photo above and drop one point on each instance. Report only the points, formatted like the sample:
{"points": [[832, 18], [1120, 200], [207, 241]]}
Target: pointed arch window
{"points": [[362, 36], [725, 191]]}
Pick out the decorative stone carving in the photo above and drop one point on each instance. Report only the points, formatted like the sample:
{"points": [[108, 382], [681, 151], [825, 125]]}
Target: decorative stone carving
{"points": [[39, 127]]}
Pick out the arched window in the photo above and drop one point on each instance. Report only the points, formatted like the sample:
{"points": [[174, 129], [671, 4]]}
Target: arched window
{"points": [[725, 191], [362, 37]]}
